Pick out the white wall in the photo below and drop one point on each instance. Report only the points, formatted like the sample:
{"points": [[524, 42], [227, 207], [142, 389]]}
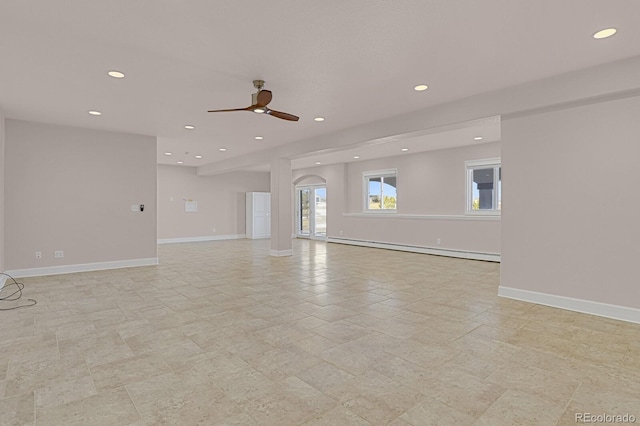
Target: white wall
{"points": [[71, 189], [571, 203], [430, 183], [2, 181], [221, 202]]}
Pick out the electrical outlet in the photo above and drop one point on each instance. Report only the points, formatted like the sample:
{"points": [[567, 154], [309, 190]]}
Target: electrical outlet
{"points": [[341, 232], [213, 229], [135, 207], [38, 255], [438, 241], [58, 254]]}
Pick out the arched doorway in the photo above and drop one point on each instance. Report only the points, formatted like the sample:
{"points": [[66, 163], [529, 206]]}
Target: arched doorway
{"points": [[311, 208]]}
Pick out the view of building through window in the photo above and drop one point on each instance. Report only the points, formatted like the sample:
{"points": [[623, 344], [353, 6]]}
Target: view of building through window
{"points": [[484, 180]]}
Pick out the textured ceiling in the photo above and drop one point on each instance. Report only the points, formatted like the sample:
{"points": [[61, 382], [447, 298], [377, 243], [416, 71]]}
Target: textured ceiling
{"points": [[352, 62]]}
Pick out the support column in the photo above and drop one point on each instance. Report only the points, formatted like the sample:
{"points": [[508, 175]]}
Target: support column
{"points": [[281, 207], [486, 195], [2, 181]]}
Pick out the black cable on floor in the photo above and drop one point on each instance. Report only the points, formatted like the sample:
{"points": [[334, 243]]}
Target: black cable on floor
{"points": [[18, 292]]}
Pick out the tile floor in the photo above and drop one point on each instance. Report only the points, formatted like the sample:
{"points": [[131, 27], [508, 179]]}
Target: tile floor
{"points": [[222, 333]]}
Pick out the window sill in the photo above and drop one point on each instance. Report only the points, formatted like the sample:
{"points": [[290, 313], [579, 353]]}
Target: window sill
{"points": [[492, 217]]}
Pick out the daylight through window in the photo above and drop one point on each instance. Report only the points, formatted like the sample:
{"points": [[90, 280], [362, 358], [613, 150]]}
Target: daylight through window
{"points": [[380, 190], [484, 186]]}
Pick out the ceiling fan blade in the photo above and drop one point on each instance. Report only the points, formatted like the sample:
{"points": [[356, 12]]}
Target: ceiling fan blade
{"points": [[250, 108], [263, 98], [283, 115]]}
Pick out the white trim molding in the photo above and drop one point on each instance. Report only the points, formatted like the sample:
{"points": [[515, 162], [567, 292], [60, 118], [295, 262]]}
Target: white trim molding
{"points": [[423, 216], [198, 239], [490, 257], [281, 253], [617, 312], [83, 267]]}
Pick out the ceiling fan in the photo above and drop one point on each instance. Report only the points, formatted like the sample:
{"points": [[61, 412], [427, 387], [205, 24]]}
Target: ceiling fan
{"points": [[259, 102]]}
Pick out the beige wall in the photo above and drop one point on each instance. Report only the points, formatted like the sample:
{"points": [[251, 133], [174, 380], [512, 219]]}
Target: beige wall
{"points": [[429, 183], [221, 202], [570, 218], [2, 180], [71, 189]]}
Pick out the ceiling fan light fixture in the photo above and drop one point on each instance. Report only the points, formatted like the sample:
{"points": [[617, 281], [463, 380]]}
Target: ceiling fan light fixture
{"points": [[258, 138], [420, 87], [259, 110], [319, 119], [94, 112]]}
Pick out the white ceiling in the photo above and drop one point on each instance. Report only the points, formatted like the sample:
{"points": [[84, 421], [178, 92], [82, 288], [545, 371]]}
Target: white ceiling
{"points": [[352, 62]]}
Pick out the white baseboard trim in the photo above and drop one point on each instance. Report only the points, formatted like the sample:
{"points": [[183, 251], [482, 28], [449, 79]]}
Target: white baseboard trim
{"points": [[198, 239], [491, 257], [617, 312], [84, 267], [281, 253]]}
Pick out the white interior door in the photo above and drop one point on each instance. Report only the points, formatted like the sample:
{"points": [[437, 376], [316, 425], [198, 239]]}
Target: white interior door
{"points": [[262, 214]]}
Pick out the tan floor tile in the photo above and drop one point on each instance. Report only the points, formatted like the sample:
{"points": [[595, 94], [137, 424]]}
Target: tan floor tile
{"points": [[338, 416], [118, 373], [553, 386], [281, 363], [17, 410], [430, 412], [325, 376], [113, 407], [23, 377], [520, 408], [341, 331], [63, 392], [375, 397], [335, 333]]}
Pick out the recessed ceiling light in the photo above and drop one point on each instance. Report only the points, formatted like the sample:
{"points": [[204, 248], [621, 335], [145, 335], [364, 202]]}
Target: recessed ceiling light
{"points": [[198, 156], [420, 87], [258, 138], [404, 149], [607, 32], [319, 119], [116, 74], [95, 113], [189, 127], [179, 162], [258, 110], [356, 156], [168, 153], [222, 149], [318, 163], [477, 138]]}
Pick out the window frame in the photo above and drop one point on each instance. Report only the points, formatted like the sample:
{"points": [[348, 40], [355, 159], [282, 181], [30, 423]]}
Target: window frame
{"points": [[487, 163], [366, 176]]}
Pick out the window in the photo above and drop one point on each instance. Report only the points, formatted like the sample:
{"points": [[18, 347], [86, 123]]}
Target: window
{"points": [[484, 186], [380, 191]]}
